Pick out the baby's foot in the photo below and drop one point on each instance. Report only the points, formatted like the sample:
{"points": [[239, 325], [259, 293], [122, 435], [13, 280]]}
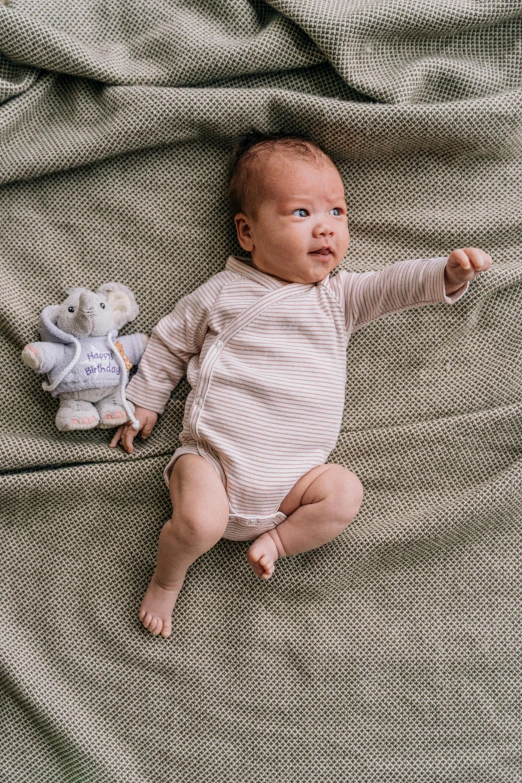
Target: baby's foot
{"points": [[264, 553], [156, 608]]}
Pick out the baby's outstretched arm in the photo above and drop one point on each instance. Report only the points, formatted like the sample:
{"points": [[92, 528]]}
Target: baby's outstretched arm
{"points": [[126, 433], [463, 265]]}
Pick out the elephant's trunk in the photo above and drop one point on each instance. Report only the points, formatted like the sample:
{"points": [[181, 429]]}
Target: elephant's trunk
{"points": [[86, 314]]}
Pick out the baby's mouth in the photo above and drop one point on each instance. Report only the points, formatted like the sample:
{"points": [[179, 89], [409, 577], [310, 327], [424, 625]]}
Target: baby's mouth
{"points": [[323, 252]]}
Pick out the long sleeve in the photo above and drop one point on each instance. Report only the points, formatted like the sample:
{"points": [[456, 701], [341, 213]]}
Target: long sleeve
{"points": [[400, 286], [174, 340], [159, 372]]}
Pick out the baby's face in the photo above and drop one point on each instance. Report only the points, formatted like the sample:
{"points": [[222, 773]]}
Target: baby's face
{"points": [[302, 209]]}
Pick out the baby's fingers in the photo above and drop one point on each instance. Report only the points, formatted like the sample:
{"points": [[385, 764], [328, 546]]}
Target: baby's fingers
{"points": [[117, 436], [459, 258], [129, 433], [149, 426], [479, 260], [124, 435]]}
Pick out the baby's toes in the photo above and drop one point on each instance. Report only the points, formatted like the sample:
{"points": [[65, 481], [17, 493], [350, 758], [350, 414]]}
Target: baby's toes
{"points": [[147, 619], [253, 555], [258, 569], [267, 563], [167, 629]]}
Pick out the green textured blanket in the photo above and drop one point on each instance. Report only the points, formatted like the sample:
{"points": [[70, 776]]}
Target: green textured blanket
{"points": [[393, 652]]}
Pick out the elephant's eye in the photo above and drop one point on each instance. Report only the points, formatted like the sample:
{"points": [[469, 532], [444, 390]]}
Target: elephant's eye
{"points": [[71, 309], [102, 306]]}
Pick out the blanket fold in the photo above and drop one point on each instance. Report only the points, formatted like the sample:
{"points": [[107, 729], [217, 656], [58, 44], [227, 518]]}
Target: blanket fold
{"points": [[391, 653]]}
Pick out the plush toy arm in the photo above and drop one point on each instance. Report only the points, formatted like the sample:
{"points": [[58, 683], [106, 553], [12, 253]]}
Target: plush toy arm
{"points": [[134, 346], [42, 357]]}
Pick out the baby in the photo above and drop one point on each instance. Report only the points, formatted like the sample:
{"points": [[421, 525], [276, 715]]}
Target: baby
{"points": [[263, 344]]}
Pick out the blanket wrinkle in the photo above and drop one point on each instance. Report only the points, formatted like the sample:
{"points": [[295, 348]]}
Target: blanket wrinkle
{"points": [[392, 652]]}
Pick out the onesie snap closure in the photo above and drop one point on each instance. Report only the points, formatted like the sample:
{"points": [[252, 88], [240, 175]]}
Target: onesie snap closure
{"points": [[244, 520]]}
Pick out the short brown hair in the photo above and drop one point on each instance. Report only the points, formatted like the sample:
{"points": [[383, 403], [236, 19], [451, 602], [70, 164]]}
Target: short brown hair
{"points": [[242, 192]]}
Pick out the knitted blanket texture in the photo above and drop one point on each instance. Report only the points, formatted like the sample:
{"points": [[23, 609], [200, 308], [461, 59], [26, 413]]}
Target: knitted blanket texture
{"points": [[393, 652]]}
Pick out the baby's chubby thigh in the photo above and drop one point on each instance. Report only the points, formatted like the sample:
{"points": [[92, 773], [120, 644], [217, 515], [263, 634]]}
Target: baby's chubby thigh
{"points": [[318, 508], [336, 488], [200, 506]]}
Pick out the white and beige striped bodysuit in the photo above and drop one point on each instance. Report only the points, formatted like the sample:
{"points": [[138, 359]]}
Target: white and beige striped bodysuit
{"points": [[266, 361]]}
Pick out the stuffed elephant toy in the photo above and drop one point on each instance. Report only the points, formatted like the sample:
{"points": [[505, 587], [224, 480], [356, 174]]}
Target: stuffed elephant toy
{"points": [[85, 367]]}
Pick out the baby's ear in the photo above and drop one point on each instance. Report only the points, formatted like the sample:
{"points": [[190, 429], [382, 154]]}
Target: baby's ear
{"points": [[121, 301]]}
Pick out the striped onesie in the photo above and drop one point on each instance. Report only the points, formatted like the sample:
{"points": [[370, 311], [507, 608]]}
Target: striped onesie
{"points": [[266, 361]]}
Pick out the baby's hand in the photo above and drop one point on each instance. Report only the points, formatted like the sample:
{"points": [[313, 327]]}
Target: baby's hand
{"points": [[126, 433], [466, 264]]}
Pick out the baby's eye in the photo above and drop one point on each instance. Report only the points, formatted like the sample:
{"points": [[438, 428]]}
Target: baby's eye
{"points": [[102, 306], [302, 209], [71, 309]]}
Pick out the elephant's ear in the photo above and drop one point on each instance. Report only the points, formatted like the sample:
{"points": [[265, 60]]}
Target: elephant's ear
{"points": [[122, 302]]}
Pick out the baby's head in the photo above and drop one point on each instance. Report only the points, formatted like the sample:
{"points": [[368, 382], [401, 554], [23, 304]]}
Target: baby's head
{"points": [[288, 201]]}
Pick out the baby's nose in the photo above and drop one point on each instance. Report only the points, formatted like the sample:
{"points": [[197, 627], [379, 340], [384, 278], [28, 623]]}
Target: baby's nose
{"points": [[325, 230]]}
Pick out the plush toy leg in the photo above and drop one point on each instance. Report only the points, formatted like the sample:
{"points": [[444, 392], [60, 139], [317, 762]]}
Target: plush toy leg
{"points": [[111, 410], [76, 415]]}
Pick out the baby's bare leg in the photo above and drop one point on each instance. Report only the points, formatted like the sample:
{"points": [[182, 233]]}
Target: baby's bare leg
{"points": [[319, 507], [199, 518]]}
